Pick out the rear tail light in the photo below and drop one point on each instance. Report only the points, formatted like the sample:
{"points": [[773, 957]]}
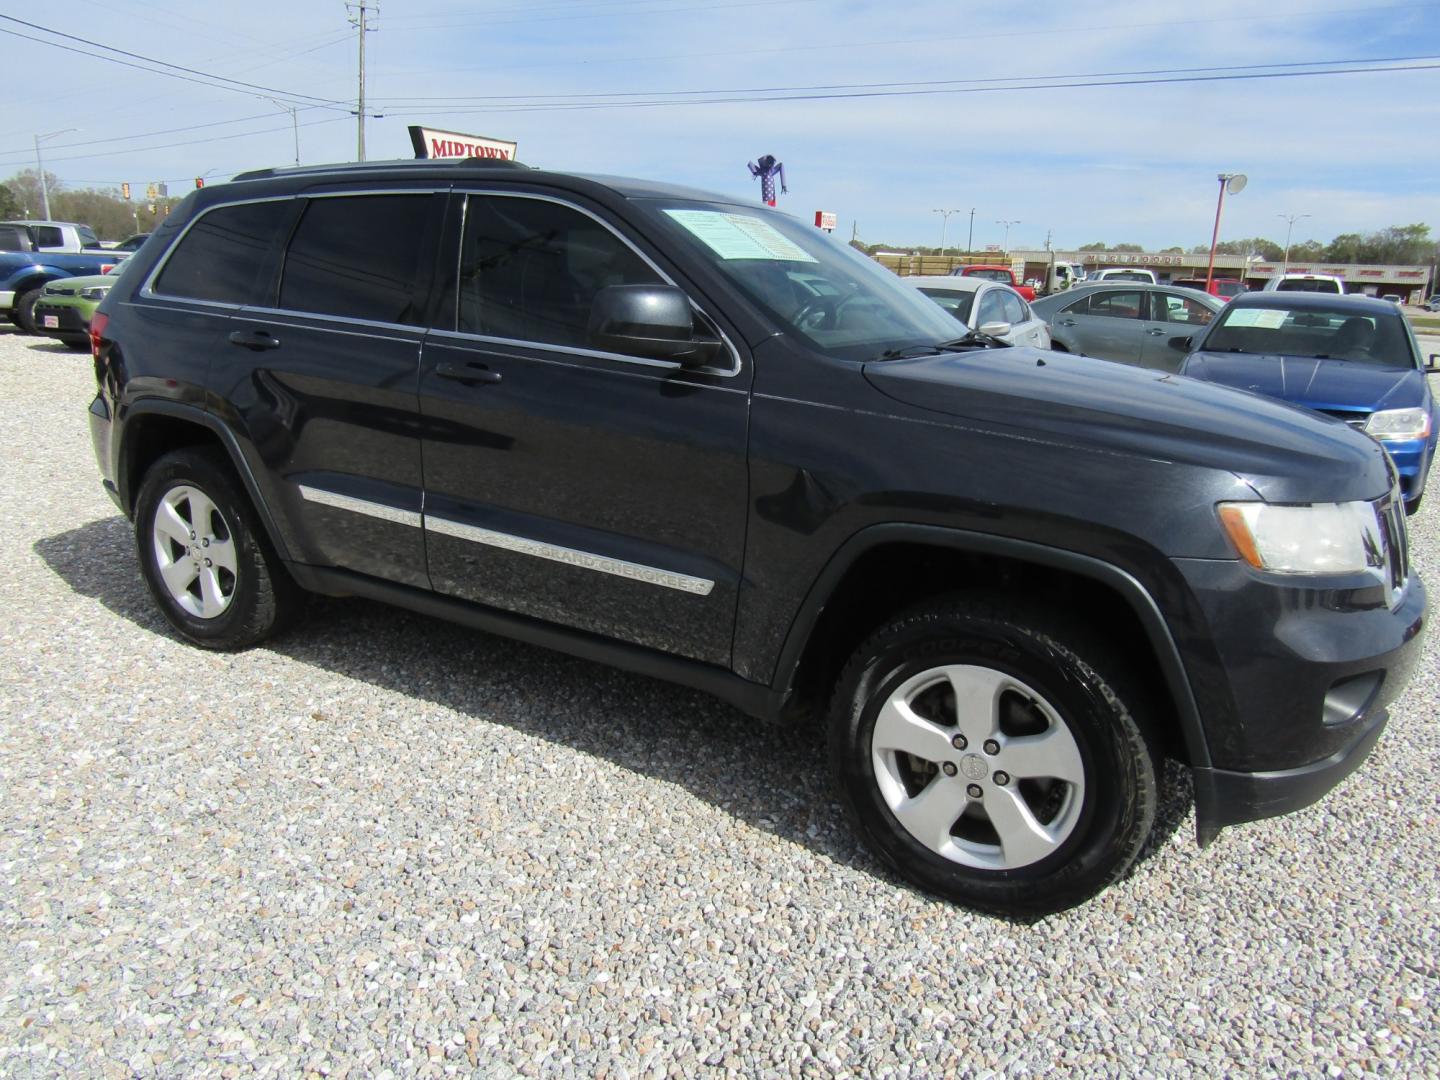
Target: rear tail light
{"points": [[98, 322]]}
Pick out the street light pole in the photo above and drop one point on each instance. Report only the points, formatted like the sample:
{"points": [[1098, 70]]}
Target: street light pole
{"points": [[1233, 182], [970, 240], [944, 224], [40, 167], [1290, 220], [1007, 225]]}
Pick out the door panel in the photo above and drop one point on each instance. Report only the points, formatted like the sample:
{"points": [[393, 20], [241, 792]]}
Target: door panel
{"points": [[579, 487], [1170, 315], [1109, 325], [326, 382]]}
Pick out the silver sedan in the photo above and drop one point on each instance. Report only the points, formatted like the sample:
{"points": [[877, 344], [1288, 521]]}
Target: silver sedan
{"points": [[987, 306], [1126, 321]]}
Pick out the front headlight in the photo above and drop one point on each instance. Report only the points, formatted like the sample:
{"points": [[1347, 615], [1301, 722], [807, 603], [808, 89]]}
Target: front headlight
{"points": [[1399, 424], [1322, 538], [97, 293]]}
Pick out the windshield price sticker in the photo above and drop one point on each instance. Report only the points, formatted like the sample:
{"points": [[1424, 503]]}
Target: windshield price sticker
{"points": [[739, 236], [1261, 318]]}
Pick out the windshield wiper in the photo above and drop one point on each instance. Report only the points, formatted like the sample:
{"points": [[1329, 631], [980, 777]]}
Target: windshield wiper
{"points": [[972, 340]]}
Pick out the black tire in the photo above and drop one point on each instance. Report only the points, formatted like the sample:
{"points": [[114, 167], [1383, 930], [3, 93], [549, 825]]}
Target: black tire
{"points": [[75, 342], [259, 597], [24, 313], [1412, 506], [1107, 819]]}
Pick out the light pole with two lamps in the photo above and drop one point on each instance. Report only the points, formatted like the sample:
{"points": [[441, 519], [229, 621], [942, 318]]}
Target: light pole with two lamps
{"points": [[1290, 220], [40, 167]]}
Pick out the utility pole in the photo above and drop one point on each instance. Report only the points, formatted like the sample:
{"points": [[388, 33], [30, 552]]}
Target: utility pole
{"points": [[944, 223], [358, 21], [970, 240], [1290, 220], [40, 166]]}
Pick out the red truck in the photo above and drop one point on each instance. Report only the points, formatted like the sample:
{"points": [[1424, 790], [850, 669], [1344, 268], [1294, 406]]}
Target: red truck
{"points": [[1002, 274]]}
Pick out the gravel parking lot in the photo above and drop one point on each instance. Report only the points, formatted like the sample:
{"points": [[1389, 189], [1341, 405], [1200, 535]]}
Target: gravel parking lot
{"points": [[387, 845]]}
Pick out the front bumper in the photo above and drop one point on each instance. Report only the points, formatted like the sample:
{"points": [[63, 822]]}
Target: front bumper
{"points": [[1297, 693], [69, 320], [1412, 459]]}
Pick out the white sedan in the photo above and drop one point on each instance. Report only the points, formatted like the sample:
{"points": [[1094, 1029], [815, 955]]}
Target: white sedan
{"points": [[987, 306]]}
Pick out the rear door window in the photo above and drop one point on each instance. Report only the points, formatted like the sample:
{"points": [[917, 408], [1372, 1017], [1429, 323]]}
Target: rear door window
{"points": [[227, 254], [49, 236], [88, 237], [360, 256], [1111, 305]]}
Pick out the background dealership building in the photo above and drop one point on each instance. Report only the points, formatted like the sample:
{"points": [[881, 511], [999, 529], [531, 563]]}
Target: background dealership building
{"points": [[1411, 283]]}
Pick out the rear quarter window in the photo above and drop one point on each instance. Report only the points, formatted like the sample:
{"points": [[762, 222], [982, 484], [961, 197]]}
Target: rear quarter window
{"points": [[227, 254]]}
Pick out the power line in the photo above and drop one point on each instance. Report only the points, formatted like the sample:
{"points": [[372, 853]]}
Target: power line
{"points": [[194, 142], [1040, 80], [149, 134], [790, 49], [1078, 83], [217, 81]]}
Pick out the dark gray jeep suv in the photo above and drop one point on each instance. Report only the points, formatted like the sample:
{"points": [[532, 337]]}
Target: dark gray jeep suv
{"points": [[700, 440]]}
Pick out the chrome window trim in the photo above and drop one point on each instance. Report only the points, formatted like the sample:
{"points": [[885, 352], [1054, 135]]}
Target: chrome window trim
{"points": [[728, 373], [335, 500], [415, 332], [148, 292], [585, 560], [573, 350]]}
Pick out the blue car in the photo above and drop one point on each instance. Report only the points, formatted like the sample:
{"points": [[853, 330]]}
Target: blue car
{"points": [[1350, 357]]}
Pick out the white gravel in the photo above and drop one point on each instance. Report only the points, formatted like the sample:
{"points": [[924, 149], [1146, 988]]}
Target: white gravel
{"points": [[386, 846]]}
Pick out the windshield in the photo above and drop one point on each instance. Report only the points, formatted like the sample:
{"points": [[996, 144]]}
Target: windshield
{"points": [[1326, 333], [955, 302], [814, 287]]}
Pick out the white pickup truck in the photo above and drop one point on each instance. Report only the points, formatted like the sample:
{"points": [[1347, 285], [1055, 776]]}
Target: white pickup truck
{"points": [[59, 236]]}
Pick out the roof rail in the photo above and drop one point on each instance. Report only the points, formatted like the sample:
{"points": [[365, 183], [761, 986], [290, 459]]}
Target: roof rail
{"points": [[372, 166]]}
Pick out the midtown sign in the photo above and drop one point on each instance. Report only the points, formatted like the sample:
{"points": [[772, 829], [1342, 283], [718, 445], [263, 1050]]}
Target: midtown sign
{"points": [[430, 143]]}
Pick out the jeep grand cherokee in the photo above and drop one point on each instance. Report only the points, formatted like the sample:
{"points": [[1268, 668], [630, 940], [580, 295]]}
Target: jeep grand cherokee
{"points": [[695, 438]]}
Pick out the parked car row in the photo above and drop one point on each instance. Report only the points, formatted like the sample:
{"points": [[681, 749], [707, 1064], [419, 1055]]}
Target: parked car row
{"points": [[1353, 358], [53, 273]]}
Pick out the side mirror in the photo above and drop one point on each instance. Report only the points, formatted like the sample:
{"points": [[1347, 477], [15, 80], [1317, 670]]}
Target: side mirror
{"points": [[995, 329], [1181, 344], [651, 321], [1433, 364]]}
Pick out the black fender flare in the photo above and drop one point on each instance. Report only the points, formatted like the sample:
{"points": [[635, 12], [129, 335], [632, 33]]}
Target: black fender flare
{"points": [[195, 415], [1136, 596]]}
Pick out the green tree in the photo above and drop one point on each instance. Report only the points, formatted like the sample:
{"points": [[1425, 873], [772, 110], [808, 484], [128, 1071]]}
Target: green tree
{"points": [[1098, 245], [1126, 247], [9, 202]]}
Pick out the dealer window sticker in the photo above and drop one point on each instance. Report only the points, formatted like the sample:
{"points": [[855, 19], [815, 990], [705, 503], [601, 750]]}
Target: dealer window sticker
{"points": [[739, 236], [1260, 318]]}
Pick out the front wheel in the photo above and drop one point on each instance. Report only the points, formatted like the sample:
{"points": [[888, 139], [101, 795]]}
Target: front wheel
{"points": [[988, 756], [24, 312], [204, 557]]}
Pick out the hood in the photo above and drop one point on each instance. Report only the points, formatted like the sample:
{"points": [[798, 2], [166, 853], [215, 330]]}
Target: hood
{"points": [[1315, 383], [1286, 454]]}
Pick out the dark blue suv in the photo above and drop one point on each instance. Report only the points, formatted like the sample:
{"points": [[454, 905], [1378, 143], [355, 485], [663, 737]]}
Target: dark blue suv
{"points": [[1349, 357]]}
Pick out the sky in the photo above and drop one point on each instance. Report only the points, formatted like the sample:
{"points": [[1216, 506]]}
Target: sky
{"points": [[942, 104]]}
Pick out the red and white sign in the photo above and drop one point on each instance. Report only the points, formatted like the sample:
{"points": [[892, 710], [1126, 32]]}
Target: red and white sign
{"points": [[430, 143], [825, 219]]}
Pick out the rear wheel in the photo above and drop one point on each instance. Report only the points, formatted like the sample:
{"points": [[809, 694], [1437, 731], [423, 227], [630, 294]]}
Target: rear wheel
{"points": [[986, 751], [204, 557]]}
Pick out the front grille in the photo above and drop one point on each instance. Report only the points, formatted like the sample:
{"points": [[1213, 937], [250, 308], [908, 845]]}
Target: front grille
{"points": [[1396, 543], [1349, 416], [58, 290]]}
